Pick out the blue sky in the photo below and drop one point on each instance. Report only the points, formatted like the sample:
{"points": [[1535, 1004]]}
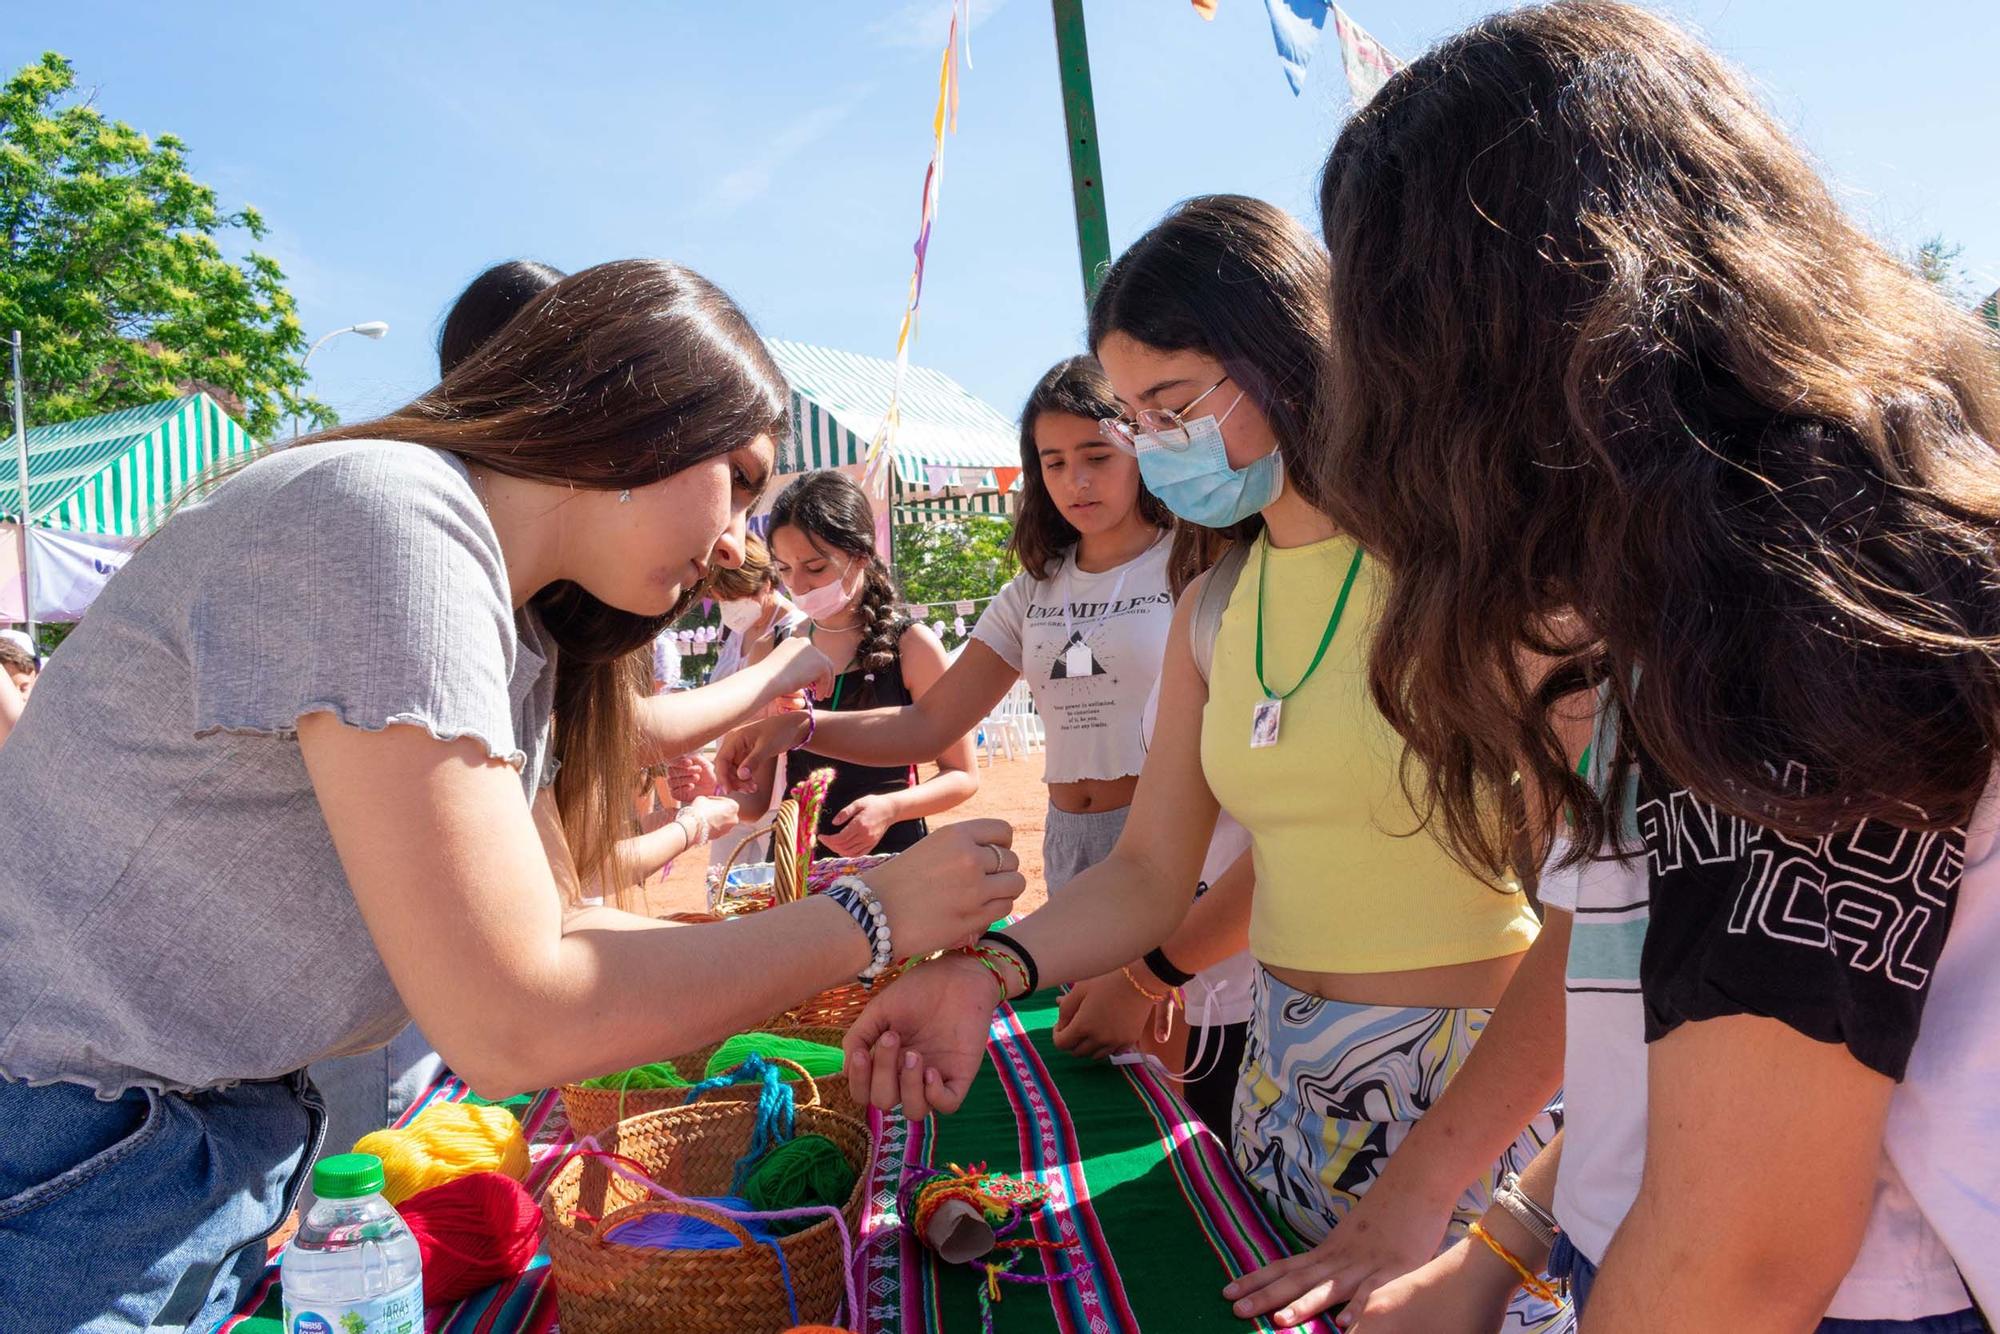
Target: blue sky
{"points": [[779, 146]]}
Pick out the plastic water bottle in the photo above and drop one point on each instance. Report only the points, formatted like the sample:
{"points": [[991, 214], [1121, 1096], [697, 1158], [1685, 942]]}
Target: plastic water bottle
{"points": [[353, 1268]]}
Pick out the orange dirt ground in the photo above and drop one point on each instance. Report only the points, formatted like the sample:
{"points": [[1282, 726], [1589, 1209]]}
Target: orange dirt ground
{"points": [[1010, 790]]}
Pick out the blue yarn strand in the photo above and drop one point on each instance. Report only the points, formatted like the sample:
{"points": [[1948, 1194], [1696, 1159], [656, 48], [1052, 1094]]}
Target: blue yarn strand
{"points": [[776, 1111]]}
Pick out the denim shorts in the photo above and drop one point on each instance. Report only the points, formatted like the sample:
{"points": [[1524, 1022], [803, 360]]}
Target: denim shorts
{"points": [[1567, 1262], [147, 1211]]}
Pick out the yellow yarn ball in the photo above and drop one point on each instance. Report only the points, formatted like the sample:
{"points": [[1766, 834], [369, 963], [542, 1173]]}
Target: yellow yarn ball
{"points": [[447, 1140]]}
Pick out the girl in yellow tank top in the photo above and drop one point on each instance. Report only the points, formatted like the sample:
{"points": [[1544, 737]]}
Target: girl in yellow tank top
{"points": [[1381, 958]]}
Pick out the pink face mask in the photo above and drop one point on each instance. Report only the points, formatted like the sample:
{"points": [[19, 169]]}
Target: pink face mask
{"points": [[742, 614], [829, 599]]}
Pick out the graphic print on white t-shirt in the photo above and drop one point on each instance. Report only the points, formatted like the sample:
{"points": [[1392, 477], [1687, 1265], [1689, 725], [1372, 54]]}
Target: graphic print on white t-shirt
{"points": [[1076, 659], [1901, 1271], [1089, 645]]}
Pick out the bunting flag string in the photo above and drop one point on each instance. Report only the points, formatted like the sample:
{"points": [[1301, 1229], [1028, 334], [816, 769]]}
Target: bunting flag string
{"points": [[1367, 62], [1296, 26], [944, 119]]}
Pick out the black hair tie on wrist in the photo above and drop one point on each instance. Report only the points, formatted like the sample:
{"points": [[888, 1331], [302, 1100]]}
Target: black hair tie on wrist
{"points": [[1164, 969], [1019, 951]]}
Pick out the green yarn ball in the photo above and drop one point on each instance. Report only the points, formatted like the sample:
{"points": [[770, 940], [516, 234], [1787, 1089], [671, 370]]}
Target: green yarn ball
{"points": [[657, 1075], [818, 1059], [803, 1171]]}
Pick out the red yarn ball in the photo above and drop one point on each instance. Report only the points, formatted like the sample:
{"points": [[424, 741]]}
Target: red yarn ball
{"points": [[473, 1231]]}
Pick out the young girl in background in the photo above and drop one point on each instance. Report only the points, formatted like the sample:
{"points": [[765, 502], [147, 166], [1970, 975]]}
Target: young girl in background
{"points": [[823, 547], [1084, 624]]}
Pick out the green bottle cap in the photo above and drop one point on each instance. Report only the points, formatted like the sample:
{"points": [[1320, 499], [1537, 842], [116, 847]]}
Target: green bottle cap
{"points": [[347, 1176]]}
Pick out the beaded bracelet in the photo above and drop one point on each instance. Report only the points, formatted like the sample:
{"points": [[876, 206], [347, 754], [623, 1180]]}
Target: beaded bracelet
{"points": [[852, 893], [1535, 1285]]}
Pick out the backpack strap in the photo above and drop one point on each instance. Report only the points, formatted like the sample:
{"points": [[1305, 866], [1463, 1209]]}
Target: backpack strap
{"points": [[1213, 601]]}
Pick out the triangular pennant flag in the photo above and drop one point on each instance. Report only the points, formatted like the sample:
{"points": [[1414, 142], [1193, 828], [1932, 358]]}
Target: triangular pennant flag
{"points": [[1296, 26], [1367, 62]]}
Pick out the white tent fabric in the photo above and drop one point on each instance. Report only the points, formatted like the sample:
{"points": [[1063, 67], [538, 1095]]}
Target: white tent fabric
{"points": [[945, 436], [70, 570]]}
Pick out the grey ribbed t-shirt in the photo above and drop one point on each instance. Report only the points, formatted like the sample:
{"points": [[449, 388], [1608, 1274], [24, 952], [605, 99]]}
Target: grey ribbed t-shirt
{"points": [[174, 914]]}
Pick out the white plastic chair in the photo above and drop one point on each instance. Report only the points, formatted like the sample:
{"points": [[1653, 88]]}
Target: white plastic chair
{"points": [[1017, 709]]}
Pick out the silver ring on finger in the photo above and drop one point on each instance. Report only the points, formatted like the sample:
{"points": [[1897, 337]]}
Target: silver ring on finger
{"points": [[999, 859]]}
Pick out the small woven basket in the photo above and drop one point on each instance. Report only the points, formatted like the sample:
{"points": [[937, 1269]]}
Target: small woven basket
{"points": [[794, 875], [836, 1008], [591, 1110], [603, 1287]]}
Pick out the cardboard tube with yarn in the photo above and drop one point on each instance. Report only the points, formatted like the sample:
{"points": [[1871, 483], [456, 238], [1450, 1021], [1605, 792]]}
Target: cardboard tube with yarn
{"points": [[959, 1232]]}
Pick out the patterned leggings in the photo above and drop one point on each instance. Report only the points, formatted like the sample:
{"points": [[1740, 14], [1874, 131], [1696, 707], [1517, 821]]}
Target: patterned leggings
{"points": [[1329, 1090]]}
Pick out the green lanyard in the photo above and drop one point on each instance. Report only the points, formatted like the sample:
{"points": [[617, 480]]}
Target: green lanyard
{"points": [[1326, 639]]}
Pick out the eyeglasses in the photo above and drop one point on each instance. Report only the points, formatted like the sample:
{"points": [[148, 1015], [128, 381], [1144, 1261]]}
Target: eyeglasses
{"points": [[1163, 426]]}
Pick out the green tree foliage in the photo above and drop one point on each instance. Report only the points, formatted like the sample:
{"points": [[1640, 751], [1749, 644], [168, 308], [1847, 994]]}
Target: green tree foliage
{"points": [[1937, 262], [953, 560], [113, 274]]}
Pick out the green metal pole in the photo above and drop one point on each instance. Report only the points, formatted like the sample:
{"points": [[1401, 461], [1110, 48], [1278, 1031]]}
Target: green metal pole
{"points": [[1086, 172]]}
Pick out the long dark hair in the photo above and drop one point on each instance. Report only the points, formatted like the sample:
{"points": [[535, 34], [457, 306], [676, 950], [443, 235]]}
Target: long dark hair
{"points": [[1074, 387], [833, 512], [487, 303], [615, 377], [1617, 384], [1241, 281]]}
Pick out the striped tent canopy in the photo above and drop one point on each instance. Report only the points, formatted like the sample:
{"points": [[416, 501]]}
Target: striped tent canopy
{"points": [[121, 472], [838, 400]]}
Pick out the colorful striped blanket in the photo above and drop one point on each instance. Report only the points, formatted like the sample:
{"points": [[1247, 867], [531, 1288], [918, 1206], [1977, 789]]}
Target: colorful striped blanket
{"points": [[1142, 1195]]}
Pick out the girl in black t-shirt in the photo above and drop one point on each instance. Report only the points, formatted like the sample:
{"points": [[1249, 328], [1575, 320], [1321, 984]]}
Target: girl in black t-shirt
{"points": [[823, 547], [1626, 403]]}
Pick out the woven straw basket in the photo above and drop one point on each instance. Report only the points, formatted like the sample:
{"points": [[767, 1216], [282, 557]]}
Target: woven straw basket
{"points": [[591, 1110], [836, 1009], [606, 1288]]}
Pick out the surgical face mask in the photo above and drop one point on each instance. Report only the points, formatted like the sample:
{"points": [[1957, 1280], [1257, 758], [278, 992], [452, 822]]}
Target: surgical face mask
{"points": [[829, 599], [742, 614], [1195, 480]]}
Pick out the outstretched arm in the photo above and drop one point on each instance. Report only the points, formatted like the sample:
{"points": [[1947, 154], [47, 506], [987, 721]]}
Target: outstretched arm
{"points": [[941, 717]]}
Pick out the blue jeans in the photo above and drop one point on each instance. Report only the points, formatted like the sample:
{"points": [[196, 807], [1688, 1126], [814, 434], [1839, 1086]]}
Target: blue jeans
{"points": [[1567, 1262], [147, 1211]]}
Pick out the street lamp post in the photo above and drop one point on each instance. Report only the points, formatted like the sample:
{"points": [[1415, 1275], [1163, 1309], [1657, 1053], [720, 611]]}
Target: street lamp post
{"points": [[372, 329]]}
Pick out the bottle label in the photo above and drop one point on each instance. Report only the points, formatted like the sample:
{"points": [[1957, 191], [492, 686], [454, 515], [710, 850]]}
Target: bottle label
{"points": [[400, 1312]]}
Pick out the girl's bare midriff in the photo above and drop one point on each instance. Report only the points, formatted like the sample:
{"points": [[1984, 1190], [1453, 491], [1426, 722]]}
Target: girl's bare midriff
{"points": [[1476, 985], [1093, 796]]}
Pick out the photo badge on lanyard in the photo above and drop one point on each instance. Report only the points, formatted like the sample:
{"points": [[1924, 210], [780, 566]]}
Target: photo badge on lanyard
{"points": [[1076, 659], [1264, 721]]}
